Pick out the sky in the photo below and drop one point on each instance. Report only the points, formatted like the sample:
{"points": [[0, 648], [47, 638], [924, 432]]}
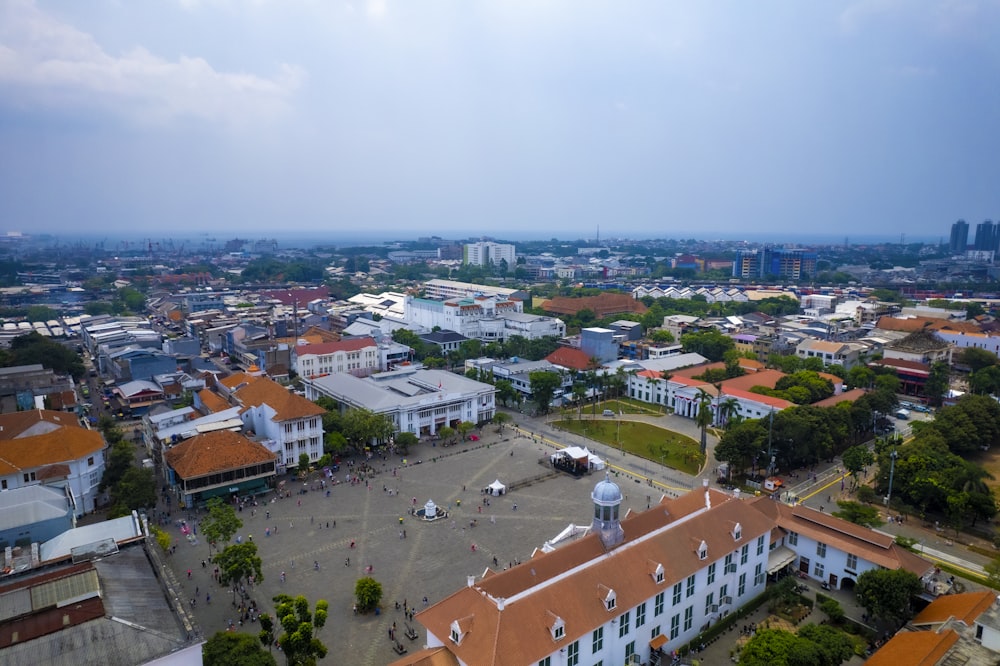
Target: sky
{"points": [[507, 118]]}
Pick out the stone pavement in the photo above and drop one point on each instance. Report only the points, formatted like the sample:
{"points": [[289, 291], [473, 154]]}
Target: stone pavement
{"points": [[432, 561]]}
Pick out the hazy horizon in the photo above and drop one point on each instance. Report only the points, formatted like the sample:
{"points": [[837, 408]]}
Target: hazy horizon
{"points": [[391, 119]]}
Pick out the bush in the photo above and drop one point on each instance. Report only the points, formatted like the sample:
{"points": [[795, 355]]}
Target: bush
{"points": [[833, 610]]}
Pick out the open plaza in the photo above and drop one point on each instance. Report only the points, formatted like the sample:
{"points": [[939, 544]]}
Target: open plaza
{"points": [[432, 561]]}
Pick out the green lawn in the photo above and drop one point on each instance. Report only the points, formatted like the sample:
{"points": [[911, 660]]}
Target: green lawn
{"points": [[641, 439], [623, 405]]}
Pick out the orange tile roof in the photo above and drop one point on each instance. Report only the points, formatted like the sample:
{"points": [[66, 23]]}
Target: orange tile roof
{"points": [[768, 378], [602, 305], [438, 656], [350, 344], [569, 357], [237, 378], [846, 396], [212, 401], [914, 648], [215, 452], [536, 589], [286, 404], [41, 437], [964, 607]]}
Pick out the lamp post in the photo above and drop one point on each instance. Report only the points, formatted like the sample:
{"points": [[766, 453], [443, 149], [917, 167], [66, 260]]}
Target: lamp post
{"points": [[892, 472]]}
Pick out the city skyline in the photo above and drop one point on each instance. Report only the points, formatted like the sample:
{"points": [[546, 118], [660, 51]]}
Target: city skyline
{"points": [[516, 120]]}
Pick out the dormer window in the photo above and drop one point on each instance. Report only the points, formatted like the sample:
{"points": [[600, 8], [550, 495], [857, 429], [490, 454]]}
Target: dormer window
{"points": [[703, 551], [456, 633], [558, 629], [658, 574], [737, 532], [610, 599]]}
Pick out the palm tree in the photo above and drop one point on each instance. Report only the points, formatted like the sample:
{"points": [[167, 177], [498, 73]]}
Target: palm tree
{"points": [[727, 410], [704, 417]]}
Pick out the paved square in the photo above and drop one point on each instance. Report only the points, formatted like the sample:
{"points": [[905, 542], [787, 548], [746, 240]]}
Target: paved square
{"points": [[434, 558]]}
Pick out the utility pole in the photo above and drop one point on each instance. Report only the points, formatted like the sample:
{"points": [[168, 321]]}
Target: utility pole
{"points": [[892, 473]]}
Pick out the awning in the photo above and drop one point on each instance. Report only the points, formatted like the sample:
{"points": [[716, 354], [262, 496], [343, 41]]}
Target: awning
{"points": [[658, 641], [779, 558]]}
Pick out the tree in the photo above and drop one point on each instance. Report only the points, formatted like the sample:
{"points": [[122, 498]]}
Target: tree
{"points": [[501, 419], [937, 382], [985, 381], [362, 427], [992, 569], [303, 463], [887, 592], [220, 524], [506, 392], [299, 625], [859, 514], [835, 646], [464, 428], [237, 563], [446, 433], [120, 460], [234, 649], [543, 387], [856, 459], [135, 490], [712, 344], [367, 593], [405, 440], [704, 417], [976, 359]]}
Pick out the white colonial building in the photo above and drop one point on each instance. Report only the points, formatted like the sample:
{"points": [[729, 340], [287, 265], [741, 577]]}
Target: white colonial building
{"points": [[417, 400], [286, 423], [486, 318], [633, 589]]}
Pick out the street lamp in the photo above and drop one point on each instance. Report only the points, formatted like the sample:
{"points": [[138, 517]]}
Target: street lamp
{"points": [[892, 472]]}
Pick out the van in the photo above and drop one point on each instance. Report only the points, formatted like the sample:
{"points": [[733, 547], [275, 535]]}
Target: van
{"points": [[608, 412]]}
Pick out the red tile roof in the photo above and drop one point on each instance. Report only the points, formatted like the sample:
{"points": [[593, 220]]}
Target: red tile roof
{"points": [[345, 345], [40, 437], [914, 648], [569, 357], [215, 452], [286, 404], [963, 607]]}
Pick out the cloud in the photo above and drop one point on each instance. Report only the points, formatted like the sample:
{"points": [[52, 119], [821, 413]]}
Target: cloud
{"points": [[49, 63]]}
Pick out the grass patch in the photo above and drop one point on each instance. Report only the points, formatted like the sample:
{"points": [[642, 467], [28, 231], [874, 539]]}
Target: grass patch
{"points": [[617, 405], [658, 445]]}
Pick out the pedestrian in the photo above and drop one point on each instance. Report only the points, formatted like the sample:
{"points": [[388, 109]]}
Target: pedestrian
{"points": [[189, 574], [208, 598]]}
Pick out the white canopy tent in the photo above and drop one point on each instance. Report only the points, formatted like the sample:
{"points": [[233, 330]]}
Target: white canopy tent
{"points": [[496, 488]]}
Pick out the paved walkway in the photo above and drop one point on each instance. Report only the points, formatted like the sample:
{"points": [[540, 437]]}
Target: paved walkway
{"points": [[432, 561]]}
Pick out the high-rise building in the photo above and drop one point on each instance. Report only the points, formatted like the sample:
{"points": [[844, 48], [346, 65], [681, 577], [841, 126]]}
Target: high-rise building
{"points": [[959, 237], [986, 236], [793, 263], [485, 253]]}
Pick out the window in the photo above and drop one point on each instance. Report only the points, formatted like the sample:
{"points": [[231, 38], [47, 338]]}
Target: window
{"points": [[90, 461], [455, 636], [610, 601], [573, 653], [675, 626], [709, 602], [3, 484], [690, 586], [597, 640], [659, 574], [688, 617], [737, 532], [730, 566], [640, 615], [623, 623], [793, 538], [744, 554], [29, 477], [629, 651], [658, 604], [979, 632], [852, 562], [558, 631], [703, 551], [95, 479], [820, 549], [288, 428], [742, 587], [758, 574], [656, 631], [723, 593], [818, 570], [760, 545], [677, 594], [545, 662], [711, 573]]}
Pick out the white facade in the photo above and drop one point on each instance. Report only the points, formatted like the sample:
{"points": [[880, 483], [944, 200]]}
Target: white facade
{"points": [[417, 400], [82, 481], [487, 253], [484, 318], [287, 439]]}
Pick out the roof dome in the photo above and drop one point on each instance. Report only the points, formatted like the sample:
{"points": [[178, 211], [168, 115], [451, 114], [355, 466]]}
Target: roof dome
{"points": [[607, 492]]}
